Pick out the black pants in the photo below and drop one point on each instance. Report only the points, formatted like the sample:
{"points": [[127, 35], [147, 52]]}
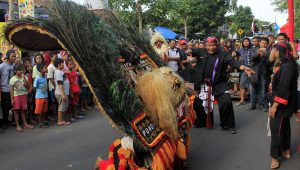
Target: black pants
{"points": [[226, 110], [281, 135], [201, 114], [6, 106]]}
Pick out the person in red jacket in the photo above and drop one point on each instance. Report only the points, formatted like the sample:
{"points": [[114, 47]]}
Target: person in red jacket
{"points": [[73, 78]]}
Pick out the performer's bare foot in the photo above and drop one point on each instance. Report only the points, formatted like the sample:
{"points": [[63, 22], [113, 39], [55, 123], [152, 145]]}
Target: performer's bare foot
{"points": [[274, 163], [286, 154], [232, 131], [98, 160]]}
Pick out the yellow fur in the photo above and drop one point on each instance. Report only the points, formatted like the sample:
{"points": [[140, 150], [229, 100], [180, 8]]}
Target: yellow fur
{"points": [[161, 90]]}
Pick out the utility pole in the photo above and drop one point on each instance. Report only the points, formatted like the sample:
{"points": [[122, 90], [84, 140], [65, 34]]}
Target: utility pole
{"points": [[11, 6], [140, 18]]}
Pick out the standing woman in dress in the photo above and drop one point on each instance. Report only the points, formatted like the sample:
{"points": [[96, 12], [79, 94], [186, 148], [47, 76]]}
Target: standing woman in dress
{"points": [[284, 103]]}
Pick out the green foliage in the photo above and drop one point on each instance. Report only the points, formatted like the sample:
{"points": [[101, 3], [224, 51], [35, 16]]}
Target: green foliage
{"points": [[209, 15], [124, 99], [199, 15], [282, 6], [241, 19]]}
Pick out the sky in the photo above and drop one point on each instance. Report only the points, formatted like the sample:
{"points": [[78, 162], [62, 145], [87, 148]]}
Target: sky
{"points": [[79, 1], [262, 10]]}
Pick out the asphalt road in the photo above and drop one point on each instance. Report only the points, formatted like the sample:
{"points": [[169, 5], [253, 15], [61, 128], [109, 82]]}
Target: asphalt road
{"points": [[76, 147]]}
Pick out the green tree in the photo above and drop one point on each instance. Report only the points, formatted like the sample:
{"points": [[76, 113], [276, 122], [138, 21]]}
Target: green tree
{"points": [[201, 16], [241, 19], [192, 15], [182, 14], [282, 6], [129, 10]]}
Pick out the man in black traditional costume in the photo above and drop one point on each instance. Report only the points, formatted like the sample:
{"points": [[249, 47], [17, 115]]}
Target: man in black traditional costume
{"points": [[211, 81]]}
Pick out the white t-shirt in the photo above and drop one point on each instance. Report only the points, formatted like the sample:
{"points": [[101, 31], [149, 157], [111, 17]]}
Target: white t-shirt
{"points": [[174, 53], [60, 76], [50, 74]]}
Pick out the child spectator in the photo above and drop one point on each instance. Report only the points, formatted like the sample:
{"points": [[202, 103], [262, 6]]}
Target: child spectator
{"points": [[50, 76], [38, 58], [6, 73], [64, 55], [18, 93], [41, 95], [62, 91], [30, 96], [84, 95], [73, 78], [46, 56]]}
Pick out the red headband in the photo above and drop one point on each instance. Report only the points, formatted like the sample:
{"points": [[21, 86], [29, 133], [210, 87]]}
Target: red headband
{"points": [[287, 51], [211, 40]]}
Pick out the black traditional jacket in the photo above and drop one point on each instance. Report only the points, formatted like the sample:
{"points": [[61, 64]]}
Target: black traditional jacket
{"points": [[284, 89], [219, 84]]}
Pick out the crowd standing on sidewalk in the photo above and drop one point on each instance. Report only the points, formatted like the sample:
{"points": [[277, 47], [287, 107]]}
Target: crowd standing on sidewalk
{"points": [[41, 91]]}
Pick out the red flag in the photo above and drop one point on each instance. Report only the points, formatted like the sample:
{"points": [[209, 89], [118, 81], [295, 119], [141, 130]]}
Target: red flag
{"points": [[285, 28]]}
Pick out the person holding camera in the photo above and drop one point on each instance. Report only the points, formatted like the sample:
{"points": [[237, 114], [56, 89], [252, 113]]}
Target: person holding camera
{"points": [[258, 81]]}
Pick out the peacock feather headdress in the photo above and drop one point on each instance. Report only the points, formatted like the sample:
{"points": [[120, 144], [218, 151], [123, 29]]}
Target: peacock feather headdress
{"points": [[96, 44]]}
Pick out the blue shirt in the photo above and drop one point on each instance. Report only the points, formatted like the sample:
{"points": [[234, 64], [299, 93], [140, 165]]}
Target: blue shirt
{"points": [[247, 55], [40, 83]]}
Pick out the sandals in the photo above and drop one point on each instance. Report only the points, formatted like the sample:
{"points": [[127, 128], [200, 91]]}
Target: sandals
{"points": [[28, 127], [79, 117], [240, 103], [63, 123], [44, 125], [19, 129]]}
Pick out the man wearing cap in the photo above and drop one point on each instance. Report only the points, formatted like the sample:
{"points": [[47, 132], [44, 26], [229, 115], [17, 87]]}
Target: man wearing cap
{"points": [[6, 72], [211, 68]]}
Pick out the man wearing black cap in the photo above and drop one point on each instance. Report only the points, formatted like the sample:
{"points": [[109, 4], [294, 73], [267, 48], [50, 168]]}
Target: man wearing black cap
{"points": [[6, 72], [212, 63]]}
